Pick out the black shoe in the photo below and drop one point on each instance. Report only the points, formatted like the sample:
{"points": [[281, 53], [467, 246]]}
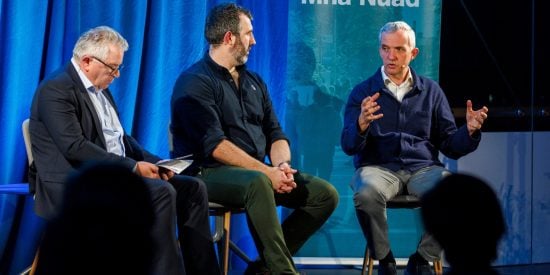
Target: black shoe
{"points": [[418, 266], [256, 268], [387, 269]]}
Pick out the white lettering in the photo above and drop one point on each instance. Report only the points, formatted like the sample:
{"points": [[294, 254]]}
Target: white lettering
{"points": [[397, 3], [384, 3], [371, 2], [392, 3], [327, 2], [413, 3]]}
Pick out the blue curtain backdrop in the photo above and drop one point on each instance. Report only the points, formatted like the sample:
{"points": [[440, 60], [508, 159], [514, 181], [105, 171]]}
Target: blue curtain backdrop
{"points": [[165, 37]]}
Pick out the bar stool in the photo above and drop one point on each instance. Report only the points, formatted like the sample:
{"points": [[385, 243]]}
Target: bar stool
{"points": [[399, 202], [221, 235]]}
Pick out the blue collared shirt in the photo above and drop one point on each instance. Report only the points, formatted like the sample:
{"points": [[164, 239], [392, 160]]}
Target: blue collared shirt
{"points": [[110, 124]]}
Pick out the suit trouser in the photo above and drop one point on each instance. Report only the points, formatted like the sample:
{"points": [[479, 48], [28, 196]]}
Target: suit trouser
{"points": [[189, 195], [194, 232], [313, 201], [373, 186]]}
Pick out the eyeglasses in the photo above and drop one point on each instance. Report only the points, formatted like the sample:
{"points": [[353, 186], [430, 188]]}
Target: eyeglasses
{"points": [[114, 70]]}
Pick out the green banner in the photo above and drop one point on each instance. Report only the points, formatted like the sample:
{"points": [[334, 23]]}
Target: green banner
{"points": [[333, 46]]}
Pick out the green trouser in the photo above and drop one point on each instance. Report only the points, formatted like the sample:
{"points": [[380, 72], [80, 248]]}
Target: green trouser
{"points": [[313, 201]]}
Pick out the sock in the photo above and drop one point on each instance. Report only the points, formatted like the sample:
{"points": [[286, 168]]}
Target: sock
{"points": [[388, 259]]}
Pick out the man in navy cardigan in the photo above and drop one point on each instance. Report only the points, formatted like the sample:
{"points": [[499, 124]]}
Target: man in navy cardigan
{"points": [[395, 124]]}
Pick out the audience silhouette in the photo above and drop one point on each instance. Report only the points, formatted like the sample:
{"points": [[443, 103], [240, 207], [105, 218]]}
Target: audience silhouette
{"points": [[104, 226], [463, 214]]}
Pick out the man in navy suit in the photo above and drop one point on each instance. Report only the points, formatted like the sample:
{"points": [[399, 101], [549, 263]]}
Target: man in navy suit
{"points": [[74, 120]]}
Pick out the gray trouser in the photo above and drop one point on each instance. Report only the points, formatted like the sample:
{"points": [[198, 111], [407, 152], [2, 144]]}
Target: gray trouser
{"points": [[373, 186]]}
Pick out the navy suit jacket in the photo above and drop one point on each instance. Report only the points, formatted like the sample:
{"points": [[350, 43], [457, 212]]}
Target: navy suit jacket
{"points": [[66, 133]]}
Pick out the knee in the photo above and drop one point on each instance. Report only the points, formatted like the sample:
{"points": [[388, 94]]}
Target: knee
{"points": [[190, 187], [197, 186], [368, 200], [166, 192], [259, 186], [331, 197]]}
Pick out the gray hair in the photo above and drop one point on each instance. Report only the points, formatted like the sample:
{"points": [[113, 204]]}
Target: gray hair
{"points": [[392, 27], [96, 42]]}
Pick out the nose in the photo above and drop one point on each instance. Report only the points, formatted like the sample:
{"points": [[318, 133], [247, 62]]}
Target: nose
{"points": [[116, 73], [390, 54], [252, 39]]}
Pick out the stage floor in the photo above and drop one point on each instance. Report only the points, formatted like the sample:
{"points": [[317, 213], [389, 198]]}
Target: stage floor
{"points": [[536, 269]]}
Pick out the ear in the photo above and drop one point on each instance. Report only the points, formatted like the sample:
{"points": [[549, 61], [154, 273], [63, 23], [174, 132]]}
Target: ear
{"points": [[228, 38], [85, 62], [414, 52]]}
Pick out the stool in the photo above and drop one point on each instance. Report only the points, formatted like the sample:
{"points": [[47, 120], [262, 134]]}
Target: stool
{"points": [[21, 190], [221, 235], [399, 202]]}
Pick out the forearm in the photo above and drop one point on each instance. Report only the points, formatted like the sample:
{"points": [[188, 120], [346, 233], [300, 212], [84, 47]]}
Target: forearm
{"points": [[228, 153], [280, 152], [351, 140]]}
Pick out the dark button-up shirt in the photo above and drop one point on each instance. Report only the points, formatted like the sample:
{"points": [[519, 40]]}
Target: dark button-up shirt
{"points": [[410, 134], [207, 107]]}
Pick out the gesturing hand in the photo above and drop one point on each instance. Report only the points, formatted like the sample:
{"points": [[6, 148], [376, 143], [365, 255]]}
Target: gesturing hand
{"points": [[368, 108], [475, 119]]}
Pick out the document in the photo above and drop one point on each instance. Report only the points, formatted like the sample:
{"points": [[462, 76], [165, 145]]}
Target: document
{"points": [[177, 165]]}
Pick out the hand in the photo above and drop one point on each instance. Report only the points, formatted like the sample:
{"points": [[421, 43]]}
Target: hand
{"points": [[147, 169], [165, 174], [368, 108], [475, 119], [281, 182], [288, 181]]}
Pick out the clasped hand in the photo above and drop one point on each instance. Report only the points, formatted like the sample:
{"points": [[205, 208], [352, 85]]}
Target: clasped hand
{"points": [[284, 179]]}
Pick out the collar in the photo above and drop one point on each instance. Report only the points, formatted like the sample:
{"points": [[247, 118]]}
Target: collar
{"points": [[85, 81], [218, 68], [387, 80]]}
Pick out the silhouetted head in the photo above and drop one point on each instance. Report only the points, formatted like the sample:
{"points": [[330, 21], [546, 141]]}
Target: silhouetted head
{"points": [[464, 215], [104, 226]]}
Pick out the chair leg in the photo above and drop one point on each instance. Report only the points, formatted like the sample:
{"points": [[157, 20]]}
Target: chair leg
{"points": [[368, 263], [371, 265], [226, 238], [239, 252], [365, 262], [438, 267], [32, 269]]}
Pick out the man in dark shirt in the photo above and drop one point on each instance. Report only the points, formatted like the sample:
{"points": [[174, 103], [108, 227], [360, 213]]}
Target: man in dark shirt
{"points": [[395, 124], [223, 115]]}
